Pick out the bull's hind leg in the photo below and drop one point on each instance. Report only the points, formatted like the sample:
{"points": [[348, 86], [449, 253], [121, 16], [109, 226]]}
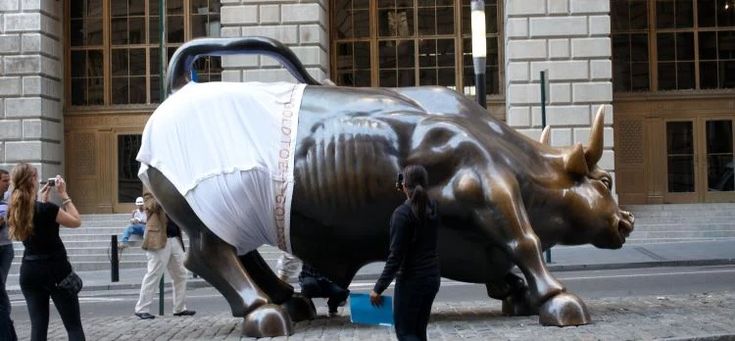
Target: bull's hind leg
{"points": [[514, 293], [299, 307], [217, 262]]}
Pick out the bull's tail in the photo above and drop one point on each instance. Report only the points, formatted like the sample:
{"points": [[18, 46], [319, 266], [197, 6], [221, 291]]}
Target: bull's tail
{"points": [[179, 68]]}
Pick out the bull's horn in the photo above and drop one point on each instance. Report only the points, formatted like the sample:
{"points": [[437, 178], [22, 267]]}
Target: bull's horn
{"points": [[545, 135], [574, 160], [593, 152]]}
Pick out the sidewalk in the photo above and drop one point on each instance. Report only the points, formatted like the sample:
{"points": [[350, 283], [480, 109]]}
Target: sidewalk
{"points": [[563, 258], [680, 317]]}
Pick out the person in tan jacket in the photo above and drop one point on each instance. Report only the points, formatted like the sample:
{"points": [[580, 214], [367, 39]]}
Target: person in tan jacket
{"points": [[165, 250]]}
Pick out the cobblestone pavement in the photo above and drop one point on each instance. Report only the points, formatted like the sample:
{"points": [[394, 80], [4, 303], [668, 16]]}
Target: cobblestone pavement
{"points": [[693, 316]]}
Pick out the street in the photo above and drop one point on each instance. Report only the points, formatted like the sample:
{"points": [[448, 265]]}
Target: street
{"points": [[593, 284]]}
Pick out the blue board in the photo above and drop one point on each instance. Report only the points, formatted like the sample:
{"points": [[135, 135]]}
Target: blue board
{"points": [[363, 312]]}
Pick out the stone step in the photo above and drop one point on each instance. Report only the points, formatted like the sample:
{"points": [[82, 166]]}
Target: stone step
{"points": [[679, 207], [97, 257], [673, 240], [683, 215], [704, 220], [108, 230], [680, 227], [684, 234], [90, 266]]}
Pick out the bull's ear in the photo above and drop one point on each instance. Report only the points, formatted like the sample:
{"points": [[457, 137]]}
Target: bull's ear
{"points": [[593, 153], [574, 160], [544, 139]]}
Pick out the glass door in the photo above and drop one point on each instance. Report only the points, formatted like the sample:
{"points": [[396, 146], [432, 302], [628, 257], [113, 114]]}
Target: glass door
{"points": [[718, 159], [700, 160], [681, 162]]}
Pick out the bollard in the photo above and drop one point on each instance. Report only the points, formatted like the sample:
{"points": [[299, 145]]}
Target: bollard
{"points": [[114, 261], [160, 297]]}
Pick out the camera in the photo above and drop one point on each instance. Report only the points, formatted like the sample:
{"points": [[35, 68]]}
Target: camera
{"points": [[399, 182], [52, 182]]}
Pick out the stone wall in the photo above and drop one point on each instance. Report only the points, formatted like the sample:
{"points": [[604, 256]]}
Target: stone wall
{"points": [[299, 24], [31, 128], [571, 40]]}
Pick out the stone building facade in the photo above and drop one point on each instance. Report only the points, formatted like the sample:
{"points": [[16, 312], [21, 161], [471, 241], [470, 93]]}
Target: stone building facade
{"points": [[31, 91], [79, 78]]}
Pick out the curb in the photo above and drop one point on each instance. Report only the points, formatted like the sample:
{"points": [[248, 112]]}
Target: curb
{"points": [[198, 283], [715, 337], [636, 265]]}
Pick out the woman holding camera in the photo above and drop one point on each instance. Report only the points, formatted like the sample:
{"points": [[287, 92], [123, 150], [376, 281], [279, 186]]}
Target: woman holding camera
{"points": [[413, 258], [45, 264]]}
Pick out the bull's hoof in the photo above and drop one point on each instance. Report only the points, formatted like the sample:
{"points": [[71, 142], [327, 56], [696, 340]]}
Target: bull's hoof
{"points": [[564, 310], [269, 320], [300, 308]]}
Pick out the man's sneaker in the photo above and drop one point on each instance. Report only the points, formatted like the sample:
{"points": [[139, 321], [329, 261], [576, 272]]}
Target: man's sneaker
{"points": [[145, 316], [122, 246], [185, 313]]}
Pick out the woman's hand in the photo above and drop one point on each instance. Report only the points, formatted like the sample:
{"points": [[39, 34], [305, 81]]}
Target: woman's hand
{"points": [[376, 299], [61, 186], [45, 191]]}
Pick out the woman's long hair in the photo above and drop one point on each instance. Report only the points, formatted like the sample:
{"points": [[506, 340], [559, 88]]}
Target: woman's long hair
{"points": [[22, 201], [416, 179]]}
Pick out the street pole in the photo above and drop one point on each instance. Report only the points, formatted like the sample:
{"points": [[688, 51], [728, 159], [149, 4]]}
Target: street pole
{"points": [[479, 49], [542, 78], [162, 11]]}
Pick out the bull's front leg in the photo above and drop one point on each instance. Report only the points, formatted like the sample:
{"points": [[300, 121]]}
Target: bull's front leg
{"points": [[218, 263], [504, 218]]}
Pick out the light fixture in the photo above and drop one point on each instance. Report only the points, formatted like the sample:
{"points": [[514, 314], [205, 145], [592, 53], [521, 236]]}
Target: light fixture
{"points": [[479, 48]]}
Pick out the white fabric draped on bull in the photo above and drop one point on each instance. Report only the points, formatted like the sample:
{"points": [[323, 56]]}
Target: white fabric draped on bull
{"points": [[228, 148]]}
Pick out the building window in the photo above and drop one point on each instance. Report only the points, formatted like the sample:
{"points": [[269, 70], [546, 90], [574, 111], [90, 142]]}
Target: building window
{"points": [[630, 45], [114, 47], [391, 43], [693, 45]]}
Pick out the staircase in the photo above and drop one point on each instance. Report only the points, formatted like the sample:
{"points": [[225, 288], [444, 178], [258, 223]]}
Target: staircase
{"points": [[682, 222], [88, 246]]}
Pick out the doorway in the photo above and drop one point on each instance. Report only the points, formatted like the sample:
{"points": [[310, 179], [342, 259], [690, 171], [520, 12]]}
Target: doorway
{"points": [[699, 159], [128, 186]]}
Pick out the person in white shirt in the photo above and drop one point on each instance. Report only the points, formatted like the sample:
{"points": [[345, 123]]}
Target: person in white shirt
{"points": [[137, 223]]}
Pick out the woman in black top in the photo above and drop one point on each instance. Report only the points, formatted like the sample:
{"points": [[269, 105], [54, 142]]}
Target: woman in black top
{"points": [[413, 258], [44, 265]]}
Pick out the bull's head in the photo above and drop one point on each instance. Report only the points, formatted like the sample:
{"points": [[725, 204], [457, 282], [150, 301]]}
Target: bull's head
{"points": [[591, 214]]}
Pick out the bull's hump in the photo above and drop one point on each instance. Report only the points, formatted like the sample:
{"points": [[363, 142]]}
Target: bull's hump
{"points": [[344, 164]]}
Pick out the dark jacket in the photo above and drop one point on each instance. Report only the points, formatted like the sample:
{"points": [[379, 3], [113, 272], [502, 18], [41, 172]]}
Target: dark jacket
{"points": [[412, 246]]}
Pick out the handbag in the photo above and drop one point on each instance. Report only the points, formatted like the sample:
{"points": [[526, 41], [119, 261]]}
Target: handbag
{"points": [[72, 283]]}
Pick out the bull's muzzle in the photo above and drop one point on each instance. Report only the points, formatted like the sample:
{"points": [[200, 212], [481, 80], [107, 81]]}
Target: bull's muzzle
{"points": [[626, 223]]}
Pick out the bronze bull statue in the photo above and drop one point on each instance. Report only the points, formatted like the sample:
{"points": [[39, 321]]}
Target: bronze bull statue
{"points": [[503, 197]]}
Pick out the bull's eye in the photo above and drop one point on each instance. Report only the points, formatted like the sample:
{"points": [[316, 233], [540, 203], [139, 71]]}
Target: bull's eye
{"points": [[607, 182]]}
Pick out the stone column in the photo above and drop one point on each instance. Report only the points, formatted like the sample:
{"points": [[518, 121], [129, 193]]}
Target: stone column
{"points": [[31, 123], [571, 40], [299, 24]]}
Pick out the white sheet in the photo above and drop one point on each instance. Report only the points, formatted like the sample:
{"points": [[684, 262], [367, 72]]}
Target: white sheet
{"points": [[228, 149]]}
